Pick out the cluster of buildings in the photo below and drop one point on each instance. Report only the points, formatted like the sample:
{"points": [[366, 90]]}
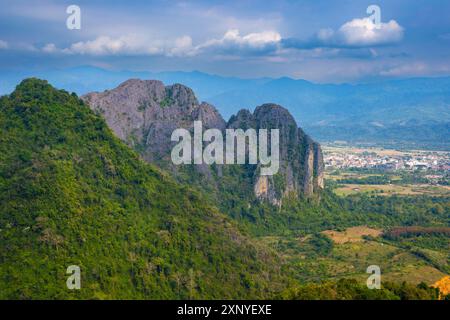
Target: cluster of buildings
{"points": [[436, 161]]}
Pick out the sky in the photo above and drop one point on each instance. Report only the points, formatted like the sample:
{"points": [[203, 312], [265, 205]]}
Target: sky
{"points": [[321, 41]]}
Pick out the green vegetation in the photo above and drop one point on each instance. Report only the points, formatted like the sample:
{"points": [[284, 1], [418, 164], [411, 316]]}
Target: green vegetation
{"points": [[345, 289], [142, 107], [372, 181], [167, 101], [72, 193], [307, 216], [397, 178]]}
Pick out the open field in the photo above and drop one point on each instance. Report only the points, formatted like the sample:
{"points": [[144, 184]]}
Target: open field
{"points": [[391, 189], [352, 254], [396, 264], [328, 148], [349, 149], [353, 234], [355, 175]]}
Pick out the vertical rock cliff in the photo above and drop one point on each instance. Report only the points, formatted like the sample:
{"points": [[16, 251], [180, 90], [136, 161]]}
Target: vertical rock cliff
{"points": [[144, 114], [301, 163]]}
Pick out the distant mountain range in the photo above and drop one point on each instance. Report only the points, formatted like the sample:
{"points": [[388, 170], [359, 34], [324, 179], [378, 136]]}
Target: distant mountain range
{"points": [[413, 110]]}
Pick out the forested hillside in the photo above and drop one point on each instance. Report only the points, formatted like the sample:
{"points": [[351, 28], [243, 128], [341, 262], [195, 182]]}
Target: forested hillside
{"points": [[72, 194]]}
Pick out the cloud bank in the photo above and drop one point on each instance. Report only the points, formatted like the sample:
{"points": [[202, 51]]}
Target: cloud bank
{"points": [[364, 32], [357, 33], [232, 43]]}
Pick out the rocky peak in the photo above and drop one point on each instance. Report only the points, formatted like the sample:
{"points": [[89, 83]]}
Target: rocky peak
{"points": [[273, 111], [209, 116], [180, 96], [244, 119], [301, 163], [144, 113]]}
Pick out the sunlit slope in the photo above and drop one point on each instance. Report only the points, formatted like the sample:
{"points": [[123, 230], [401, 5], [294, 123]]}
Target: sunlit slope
{"points": [[72, 194]]}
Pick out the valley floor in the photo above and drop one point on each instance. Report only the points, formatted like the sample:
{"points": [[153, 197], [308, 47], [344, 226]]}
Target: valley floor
{"points": [[354, 249]]}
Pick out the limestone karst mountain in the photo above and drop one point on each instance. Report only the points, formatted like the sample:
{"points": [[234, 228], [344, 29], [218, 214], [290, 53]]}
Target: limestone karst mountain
{"points": [[74, 194], [144, 113], [301, 163]]}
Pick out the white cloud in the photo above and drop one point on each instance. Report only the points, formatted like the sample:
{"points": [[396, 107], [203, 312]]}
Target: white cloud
{"points": [[182, 47], [105, 45], [357, 33], [417, 69], [3, 44], [50, 48], [413, 69], [232, 41], [364, 32], [124, 45]]}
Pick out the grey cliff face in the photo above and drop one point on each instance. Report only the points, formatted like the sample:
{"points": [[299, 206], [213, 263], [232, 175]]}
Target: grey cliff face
{"points": [[144, 113], [301, 162]]}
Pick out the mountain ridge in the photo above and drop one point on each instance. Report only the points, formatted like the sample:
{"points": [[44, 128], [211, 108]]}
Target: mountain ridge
{"points": [[74, 194], [144, 113], [323, 110]]}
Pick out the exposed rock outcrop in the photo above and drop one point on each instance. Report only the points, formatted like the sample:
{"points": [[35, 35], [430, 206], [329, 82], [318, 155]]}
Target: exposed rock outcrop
{"points": [[144, 113], [301, 162]]}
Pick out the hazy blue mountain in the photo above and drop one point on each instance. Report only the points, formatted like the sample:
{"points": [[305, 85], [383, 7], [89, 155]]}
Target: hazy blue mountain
{"points": [[85, 79], [412, 109]]}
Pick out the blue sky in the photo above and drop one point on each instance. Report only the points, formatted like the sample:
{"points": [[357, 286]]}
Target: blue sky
{"points": [[321, 41]]}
